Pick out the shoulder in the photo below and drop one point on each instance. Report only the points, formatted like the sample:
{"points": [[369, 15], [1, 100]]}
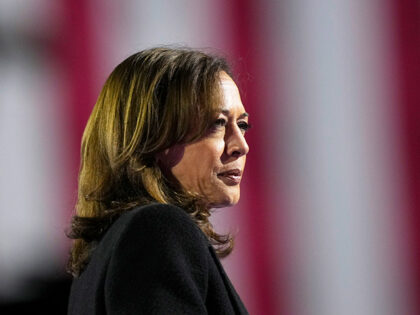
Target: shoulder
{"points": [[160, 255], [161, 224], [159, 238], [164, 213], [163, 216]]}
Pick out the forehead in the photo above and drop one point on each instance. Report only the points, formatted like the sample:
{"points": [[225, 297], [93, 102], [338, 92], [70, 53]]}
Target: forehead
{"points": [[232, 103]]}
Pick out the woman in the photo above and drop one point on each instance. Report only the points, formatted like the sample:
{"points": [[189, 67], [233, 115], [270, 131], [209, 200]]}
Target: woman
{"points": [[164, 145]]}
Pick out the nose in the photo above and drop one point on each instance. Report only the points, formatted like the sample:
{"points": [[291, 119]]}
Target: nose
{"points": [[236, 144]]}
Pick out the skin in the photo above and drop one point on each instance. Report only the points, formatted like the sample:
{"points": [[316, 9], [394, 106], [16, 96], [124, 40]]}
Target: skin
{"points": [[201, 167]]}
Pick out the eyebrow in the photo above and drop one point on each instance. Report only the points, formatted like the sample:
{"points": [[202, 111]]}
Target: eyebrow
{"points": [[227, 112]]}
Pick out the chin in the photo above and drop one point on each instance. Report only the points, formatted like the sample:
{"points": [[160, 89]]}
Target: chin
{"points": [[225, 200]]}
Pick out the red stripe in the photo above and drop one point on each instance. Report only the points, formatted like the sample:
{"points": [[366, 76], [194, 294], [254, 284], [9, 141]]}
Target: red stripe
{"points": [[249, 63], [407, 14], [73, 52]]}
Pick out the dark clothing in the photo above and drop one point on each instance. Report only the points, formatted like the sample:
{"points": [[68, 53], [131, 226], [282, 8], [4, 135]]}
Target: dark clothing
{"points": [[154, 260]]}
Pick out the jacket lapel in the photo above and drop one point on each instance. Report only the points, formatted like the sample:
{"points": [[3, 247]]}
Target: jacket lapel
{"points": [[236, 301]]}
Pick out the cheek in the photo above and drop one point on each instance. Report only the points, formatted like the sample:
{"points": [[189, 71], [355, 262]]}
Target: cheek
{"points": [[199, 164]]}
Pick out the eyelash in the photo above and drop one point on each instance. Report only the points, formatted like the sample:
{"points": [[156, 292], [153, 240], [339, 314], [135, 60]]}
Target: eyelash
{"points": [[221, 122], [243, 125]]}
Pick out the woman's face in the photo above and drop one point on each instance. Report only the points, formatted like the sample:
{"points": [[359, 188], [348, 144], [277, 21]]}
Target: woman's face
{"points": [[213, 166]]}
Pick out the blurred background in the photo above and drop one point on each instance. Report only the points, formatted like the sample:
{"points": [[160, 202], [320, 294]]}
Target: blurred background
{"points": [[328, 222]]}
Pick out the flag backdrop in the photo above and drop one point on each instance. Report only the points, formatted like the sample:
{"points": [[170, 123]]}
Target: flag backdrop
{"points": [[328, 221]]}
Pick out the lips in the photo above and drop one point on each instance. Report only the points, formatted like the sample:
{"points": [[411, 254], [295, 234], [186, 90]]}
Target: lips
{"points": [[231, 177]]}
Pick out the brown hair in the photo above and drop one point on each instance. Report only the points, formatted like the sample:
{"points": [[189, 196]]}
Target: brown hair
{"points": [[152, 100]]}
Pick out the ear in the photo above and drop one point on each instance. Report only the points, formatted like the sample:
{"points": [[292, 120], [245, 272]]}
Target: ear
{"points": [[170, 157]]}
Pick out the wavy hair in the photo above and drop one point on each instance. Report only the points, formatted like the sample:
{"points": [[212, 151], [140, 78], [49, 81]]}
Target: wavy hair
{"points": [[152, 100]]}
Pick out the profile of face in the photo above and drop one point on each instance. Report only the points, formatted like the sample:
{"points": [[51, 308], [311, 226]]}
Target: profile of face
{"points": [[212, 167]]}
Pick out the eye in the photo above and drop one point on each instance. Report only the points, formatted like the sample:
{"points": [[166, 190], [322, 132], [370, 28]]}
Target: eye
{"points": [[221, 122], [244, 126]]}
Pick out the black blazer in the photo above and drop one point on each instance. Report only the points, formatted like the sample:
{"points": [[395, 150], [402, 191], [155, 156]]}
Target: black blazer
{"points": [[154, 260]]}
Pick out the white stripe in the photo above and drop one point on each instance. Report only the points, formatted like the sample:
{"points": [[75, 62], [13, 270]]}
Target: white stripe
{"points": [[31, 223]]}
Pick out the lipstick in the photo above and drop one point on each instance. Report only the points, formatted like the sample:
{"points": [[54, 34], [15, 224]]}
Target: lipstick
{"points": [[231, 177]]}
